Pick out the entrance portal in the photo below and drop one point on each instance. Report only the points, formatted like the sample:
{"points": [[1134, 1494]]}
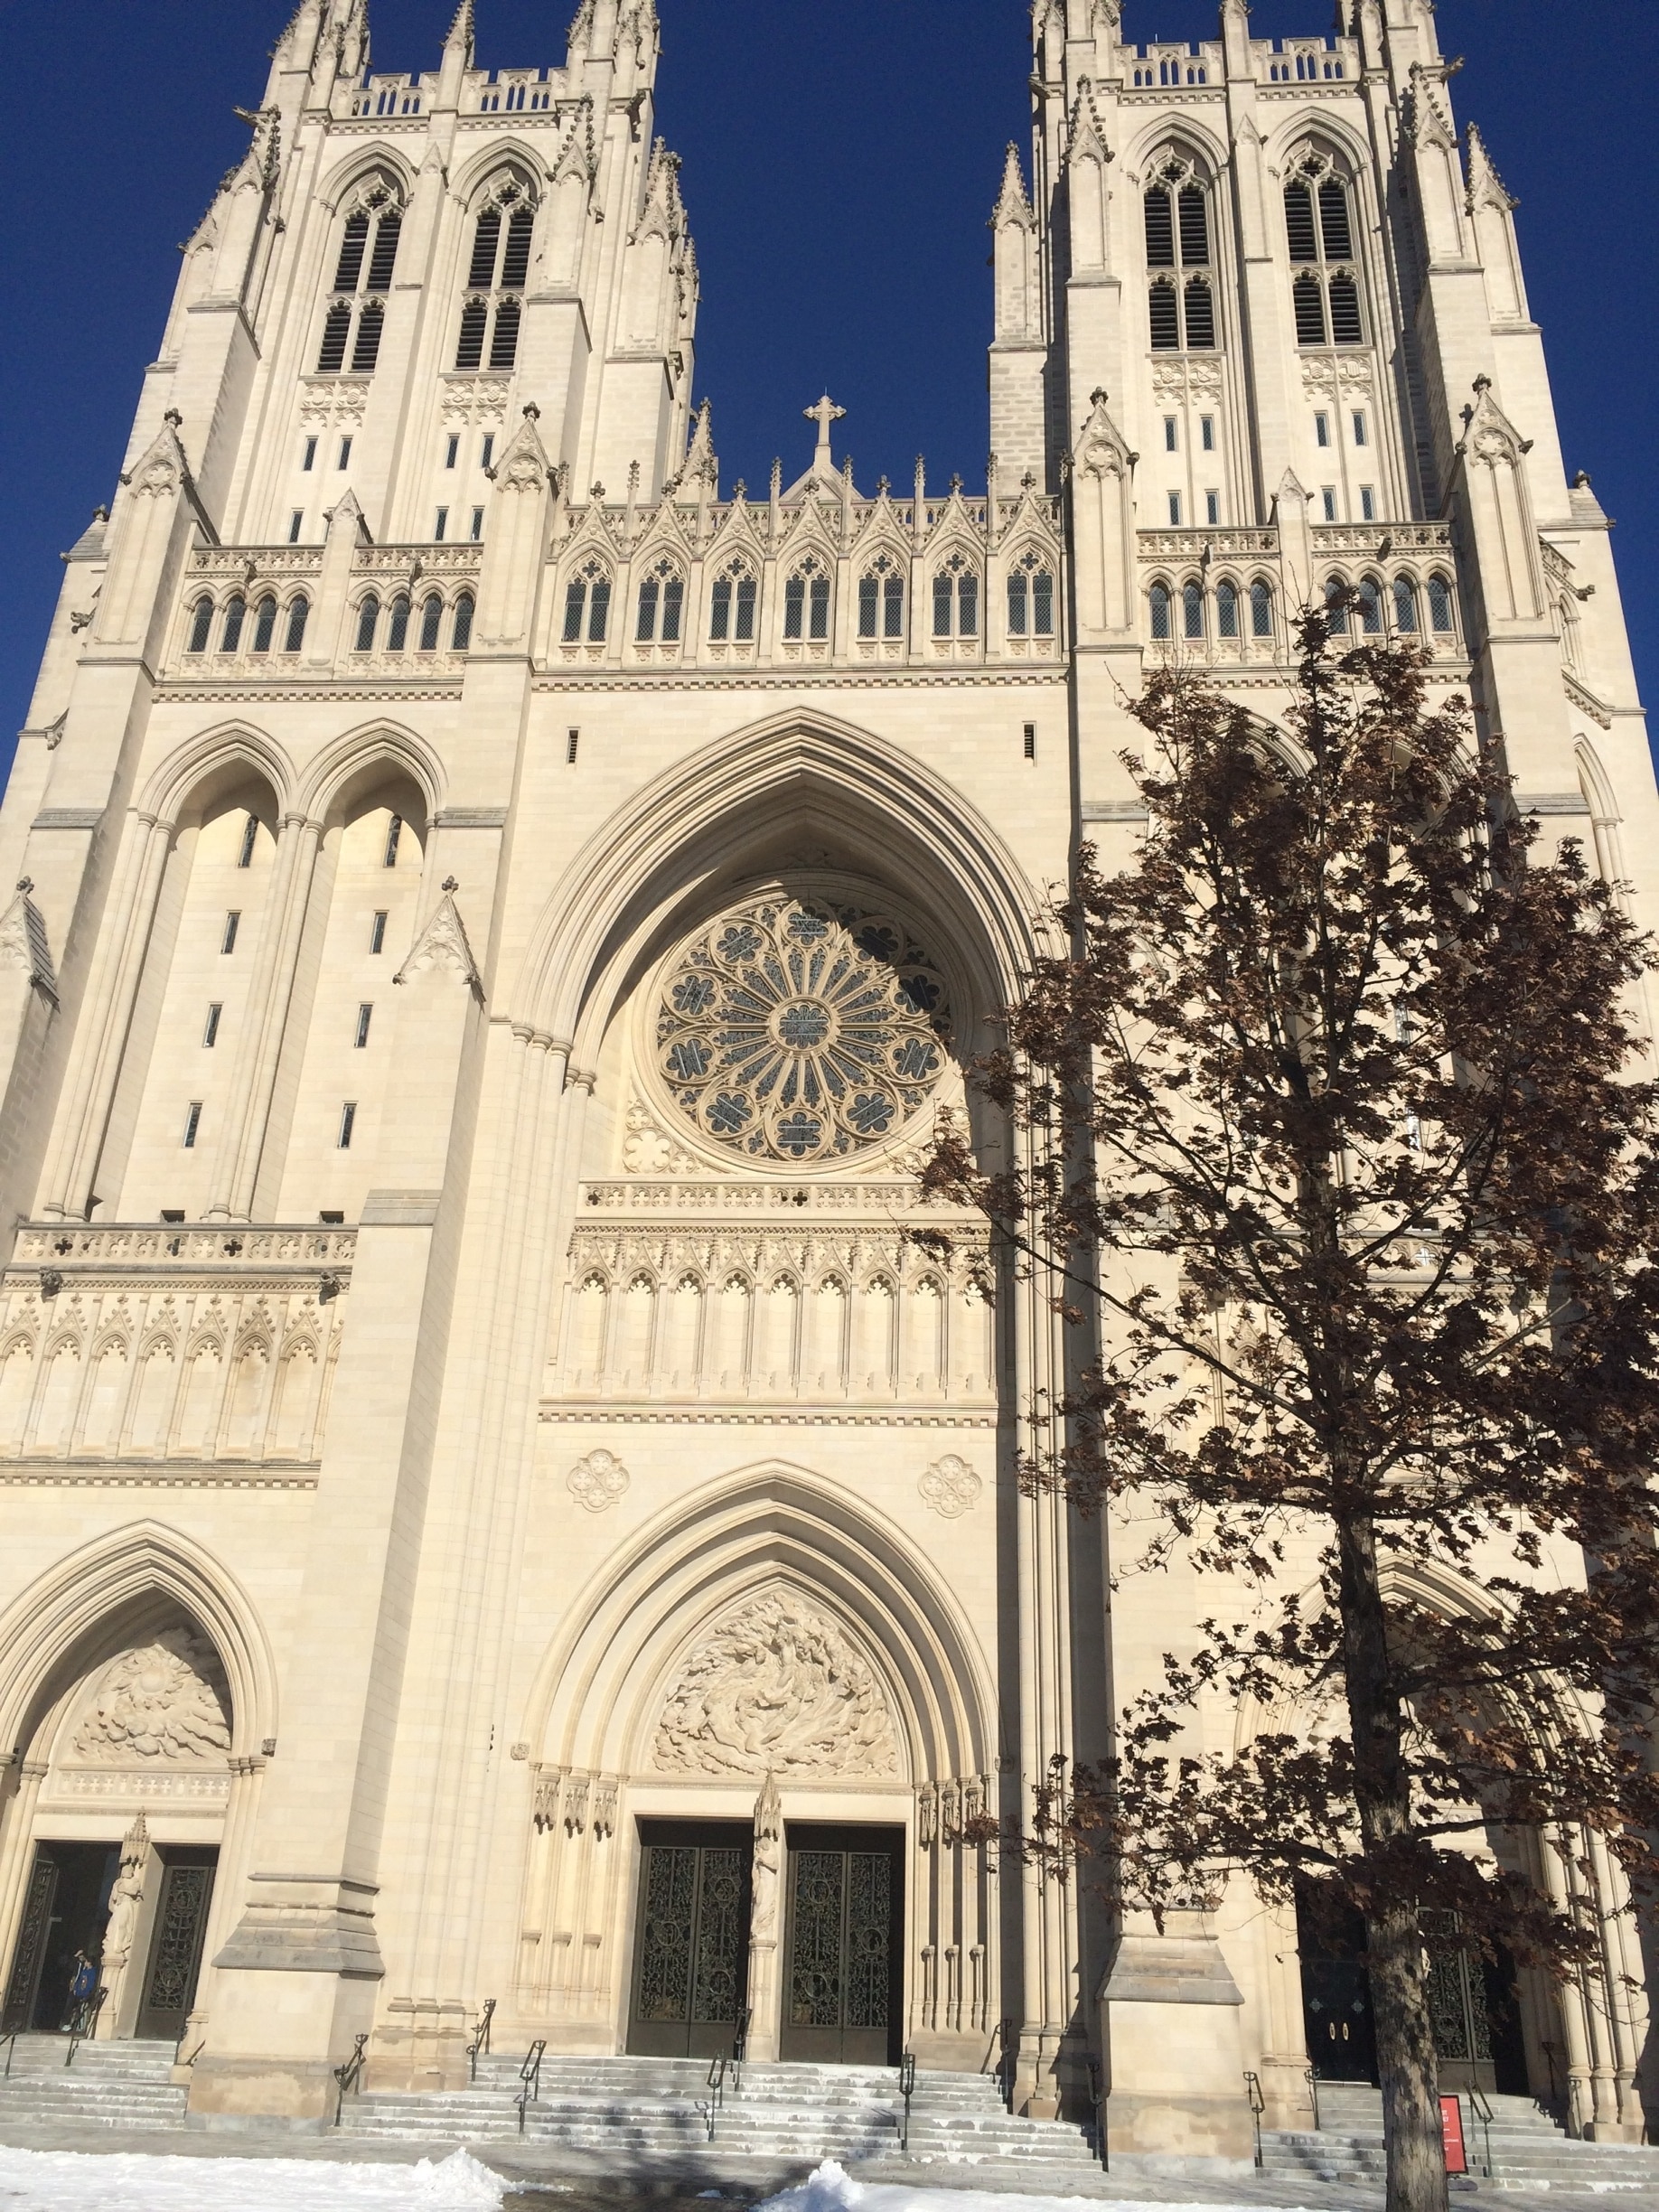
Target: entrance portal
{"points": [[691, 1964], [844, 1946], [175, 1962], [65, 1909]]}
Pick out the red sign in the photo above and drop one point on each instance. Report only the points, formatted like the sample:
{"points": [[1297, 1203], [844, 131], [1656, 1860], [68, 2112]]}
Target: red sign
{"points": [[1451, 2134]]}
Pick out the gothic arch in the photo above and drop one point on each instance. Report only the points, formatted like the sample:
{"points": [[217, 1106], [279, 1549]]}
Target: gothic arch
{"points": [[188, 766], [361, 164], [601, 1688], [1189, 140], [347, 759], [1306, 126], [503, 158], [64, 1607], [680, 835]]}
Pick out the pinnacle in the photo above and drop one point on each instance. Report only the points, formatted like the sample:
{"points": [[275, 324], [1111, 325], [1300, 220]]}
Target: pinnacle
{"points": [[462, 29]]}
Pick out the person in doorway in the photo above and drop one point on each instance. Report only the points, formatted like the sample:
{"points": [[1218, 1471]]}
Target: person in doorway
{"points": [[83, 1990]]}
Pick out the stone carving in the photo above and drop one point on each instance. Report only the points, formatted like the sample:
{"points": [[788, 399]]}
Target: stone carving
{"points": [[1102, 449], [165, 1704], [576, 1805], [605, 1807], [126, 1896], [950, 1487], [598, 1482], [443, 943], [646, 1151], [768, 1861], [548, 1784], [776, 1689]]}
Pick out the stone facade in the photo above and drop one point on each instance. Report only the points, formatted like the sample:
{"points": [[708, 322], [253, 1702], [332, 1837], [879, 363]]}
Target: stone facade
{"points": [[499, 918]]}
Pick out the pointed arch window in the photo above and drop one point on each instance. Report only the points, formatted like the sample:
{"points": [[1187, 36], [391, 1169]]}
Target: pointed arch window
{"points": [[1371, 607], [496, 277], [1442, 618], [1160, 602], [1192, 610], [1227, 610], [661, 610], [299, 610], [1181, 315], [356, 311], [1260, 609], [1319, 235], [1031, 598], [1405, 606], [881, 599], [731, 606], [587, 604], [1337, 607], [265, 624], [806, 601], [397, 623], [431, 623], [236, 614], [461, 635], [201, 626], [956, 598], [367, 622]]}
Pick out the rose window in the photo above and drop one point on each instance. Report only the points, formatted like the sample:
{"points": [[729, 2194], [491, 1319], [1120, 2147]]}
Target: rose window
{"points": [[799, 1032]]}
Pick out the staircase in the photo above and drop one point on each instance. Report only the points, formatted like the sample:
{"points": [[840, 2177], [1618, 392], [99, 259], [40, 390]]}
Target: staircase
{"points": [[110, 2084], [658, 2107], [1529, 2150]]}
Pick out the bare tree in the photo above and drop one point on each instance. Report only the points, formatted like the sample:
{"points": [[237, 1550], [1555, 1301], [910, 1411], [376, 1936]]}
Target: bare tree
{"points": [[1363, 1232]]}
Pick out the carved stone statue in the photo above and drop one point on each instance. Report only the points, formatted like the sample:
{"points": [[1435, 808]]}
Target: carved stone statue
{"points": [[768, 1862], [776, 1689], [125, 1898], [164, 1704]]}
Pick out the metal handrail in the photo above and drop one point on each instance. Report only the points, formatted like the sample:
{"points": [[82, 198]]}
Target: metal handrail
{"points": [[11, 2050], [85, 2023], [1312, 2091], [716, 2091], [529, 2075], [1097, 2099], [1258, 2105], [480, 2037], [350, 2076], [1483, 2113], [740, 2047], [907, 2089]]}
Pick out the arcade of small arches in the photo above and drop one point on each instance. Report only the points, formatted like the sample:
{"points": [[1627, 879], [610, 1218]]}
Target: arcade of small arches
{"points": [[1241, 611], [229, 632]]}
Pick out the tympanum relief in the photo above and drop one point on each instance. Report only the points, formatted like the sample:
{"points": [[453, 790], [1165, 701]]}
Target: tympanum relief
{"points": [[163, 1705], [776, 1689]]}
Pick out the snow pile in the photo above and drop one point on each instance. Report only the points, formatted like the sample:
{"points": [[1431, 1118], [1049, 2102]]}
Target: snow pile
{"points": [[71, 2180], [829, 2190]]}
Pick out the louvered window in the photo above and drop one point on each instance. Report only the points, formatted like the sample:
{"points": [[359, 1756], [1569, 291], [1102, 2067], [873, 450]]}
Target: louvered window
{"points": [[495, 280], [1319, 235], [1177, 226], [363, 275]]}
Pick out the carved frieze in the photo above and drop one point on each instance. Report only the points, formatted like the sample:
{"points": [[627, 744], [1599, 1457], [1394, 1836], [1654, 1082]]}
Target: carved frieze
{"points": [[776, 1689], [950, 1486]]}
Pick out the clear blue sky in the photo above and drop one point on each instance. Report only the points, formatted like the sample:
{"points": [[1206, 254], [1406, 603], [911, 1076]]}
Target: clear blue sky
{"points": [[839, 165]]}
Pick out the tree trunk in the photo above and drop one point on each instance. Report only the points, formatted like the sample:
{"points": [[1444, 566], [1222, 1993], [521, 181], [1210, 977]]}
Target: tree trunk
{"points": [[1406, 2061]]}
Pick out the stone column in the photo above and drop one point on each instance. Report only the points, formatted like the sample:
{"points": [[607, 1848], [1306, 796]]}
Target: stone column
{"points": [[765, 1998], [16, 1857]]}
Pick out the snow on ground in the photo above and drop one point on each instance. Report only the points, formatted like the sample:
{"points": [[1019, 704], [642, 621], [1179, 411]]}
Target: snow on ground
{"points": [[829, 2190], [81, 2181]]}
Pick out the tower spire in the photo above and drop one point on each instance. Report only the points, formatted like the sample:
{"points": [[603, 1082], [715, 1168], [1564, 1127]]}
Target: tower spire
{"points": [[461, 33]]}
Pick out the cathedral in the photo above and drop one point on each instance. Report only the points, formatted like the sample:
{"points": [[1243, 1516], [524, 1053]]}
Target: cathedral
{"points": [[500, 1502]]}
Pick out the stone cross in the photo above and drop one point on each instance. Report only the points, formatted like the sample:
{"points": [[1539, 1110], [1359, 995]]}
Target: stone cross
{"points": [[825, 413]]}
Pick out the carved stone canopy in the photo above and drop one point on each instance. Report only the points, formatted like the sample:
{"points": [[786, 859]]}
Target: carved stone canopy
{"points": [[776, 1689], [163, 1704]]}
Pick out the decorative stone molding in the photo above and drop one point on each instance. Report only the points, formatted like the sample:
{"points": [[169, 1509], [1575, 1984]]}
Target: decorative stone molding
{"points": [[950, 1487], [598, 1482], [776, 1689]]}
